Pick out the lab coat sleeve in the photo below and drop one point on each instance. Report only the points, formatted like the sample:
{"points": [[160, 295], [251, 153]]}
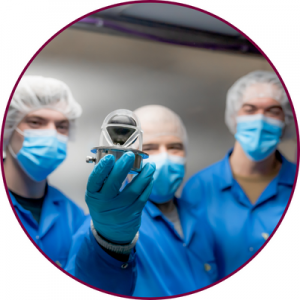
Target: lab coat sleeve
{"points": [[77, 240], [89, 263]]}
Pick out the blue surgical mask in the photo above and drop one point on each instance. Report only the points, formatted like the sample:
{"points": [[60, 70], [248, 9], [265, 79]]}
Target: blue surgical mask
{"points": [[43, 150], [258, 135], [167, 177]]}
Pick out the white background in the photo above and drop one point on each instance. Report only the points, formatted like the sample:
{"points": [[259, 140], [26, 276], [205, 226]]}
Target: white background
{"points": [[26, 25]]}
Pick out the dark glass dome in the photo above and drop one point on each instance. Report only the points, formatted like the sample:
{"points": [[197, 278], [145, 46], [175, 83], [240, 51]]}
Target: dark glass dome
{"points": [[119, 135], [125, 120]]}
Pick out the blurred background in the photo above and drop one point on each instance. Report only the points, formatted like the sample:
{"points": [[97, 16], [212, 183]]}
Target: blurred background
{"points": [[142, 54]]}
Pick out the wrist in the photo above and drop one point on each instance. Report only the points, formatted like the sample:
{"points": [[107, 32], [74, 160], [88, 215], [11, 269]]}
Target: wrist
{"points": [[116, 248]]}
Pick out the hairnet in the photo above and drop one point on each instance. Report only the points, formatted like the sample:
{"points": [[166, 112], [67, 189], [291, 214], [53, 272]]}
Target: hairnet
{"points": [[36, 92], [258, 84], [157, 120]]}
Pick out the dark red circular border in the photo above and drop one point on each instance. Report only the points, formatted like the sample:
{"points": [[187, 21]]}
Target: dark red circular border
{"points": [[171, 3]]}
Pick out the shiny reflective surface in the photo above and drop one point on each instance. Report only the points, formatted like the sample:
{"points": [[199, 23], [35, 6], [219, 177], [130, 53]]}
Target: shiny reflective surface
{"points": [[117, 152], [119, 135]]}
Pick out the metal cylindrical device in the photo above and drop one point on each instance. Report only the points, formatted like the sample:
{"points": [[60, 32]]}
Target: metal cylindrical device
{"points": [[120, 132]]}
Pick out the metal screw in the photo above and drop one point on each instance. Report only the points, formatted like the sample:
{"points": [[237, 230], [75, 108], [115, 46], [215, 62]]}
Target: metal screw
{"points": [[90, 159]]}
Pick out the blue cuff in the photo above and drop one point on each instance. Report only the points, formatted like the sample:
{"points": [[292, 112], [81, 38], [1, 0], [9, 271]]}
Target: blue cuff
{"points": [[97, 268]]}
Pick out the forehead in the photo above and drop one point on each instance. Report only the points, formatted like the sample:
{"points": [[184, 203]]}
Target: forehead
{"points": [[158, 127], [162, 139], [47, 114], [263, 102]]}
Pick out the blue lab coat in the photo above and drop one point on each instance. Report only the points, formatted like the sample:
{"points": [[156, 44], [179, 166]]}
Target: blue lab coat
{"points": [[92, 265], [59, 234], [60, 219], [166, 264], [239, 227]]}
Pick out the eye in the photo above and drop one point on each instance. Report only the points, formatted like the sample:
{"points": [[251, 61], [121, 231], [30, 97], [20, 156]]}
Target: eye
{"points": [[150, 147], [275, 111], [177, 146], [249, 109], [34, 123], [63, 128]]}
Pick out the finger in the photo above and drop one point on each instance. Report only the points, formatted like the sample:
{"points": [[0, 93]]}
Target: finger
{"points": [[118, 174], [142, 200], [139, 183], [100, 172]]}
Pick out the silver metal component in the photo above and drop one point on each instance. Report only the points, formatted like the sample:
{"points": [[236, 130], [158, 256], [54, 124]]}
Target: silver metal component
{"points": [[90, 159], [120, 132], [117, 152]]}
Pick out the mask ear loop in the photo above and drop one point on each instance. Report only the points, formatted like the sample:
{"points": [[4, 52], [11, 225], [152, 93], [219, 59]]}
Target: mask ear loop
{"points": [[14, 155], [12, 152], [19, 131]]}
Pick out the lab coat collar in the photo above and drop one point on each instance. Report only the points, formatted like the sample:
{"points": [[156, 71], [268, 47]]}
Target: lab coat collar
{"points": [[285, 175], [26, 213], [187, 215], [153, 210], [50, 211], [155, 213], [16, 204], [226, 180]]}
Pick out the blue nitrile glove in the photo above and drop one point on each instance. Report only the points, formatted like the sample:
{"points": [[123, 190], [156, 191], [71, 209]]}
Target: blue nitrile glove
{"points": [[117, 215]]}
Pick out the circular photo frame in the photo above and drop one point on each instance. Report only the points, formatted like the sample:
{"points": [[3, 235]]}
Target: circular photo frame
{"points": [[212, 194]]}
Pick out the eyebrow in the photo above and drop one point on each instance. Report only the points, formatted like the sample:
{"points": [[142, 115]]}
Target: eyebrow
{"points": [[63, 121], [275, 106], [175, 144], [269, 107], [44, 119], [151, 145], [36, 117], [168, 144]]}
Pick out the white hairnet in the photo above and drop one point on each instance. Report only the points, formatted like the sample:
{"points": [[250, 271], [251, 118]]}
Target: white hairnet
{"points": [[36, 92], [157, 120], [258, 84]]}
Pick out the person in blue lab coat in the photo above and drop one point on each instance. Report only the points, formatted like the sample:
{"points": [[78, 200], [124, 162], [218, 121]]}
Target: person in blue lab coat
{"points": [[174, 255], [40, 119], [246, 193]]}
